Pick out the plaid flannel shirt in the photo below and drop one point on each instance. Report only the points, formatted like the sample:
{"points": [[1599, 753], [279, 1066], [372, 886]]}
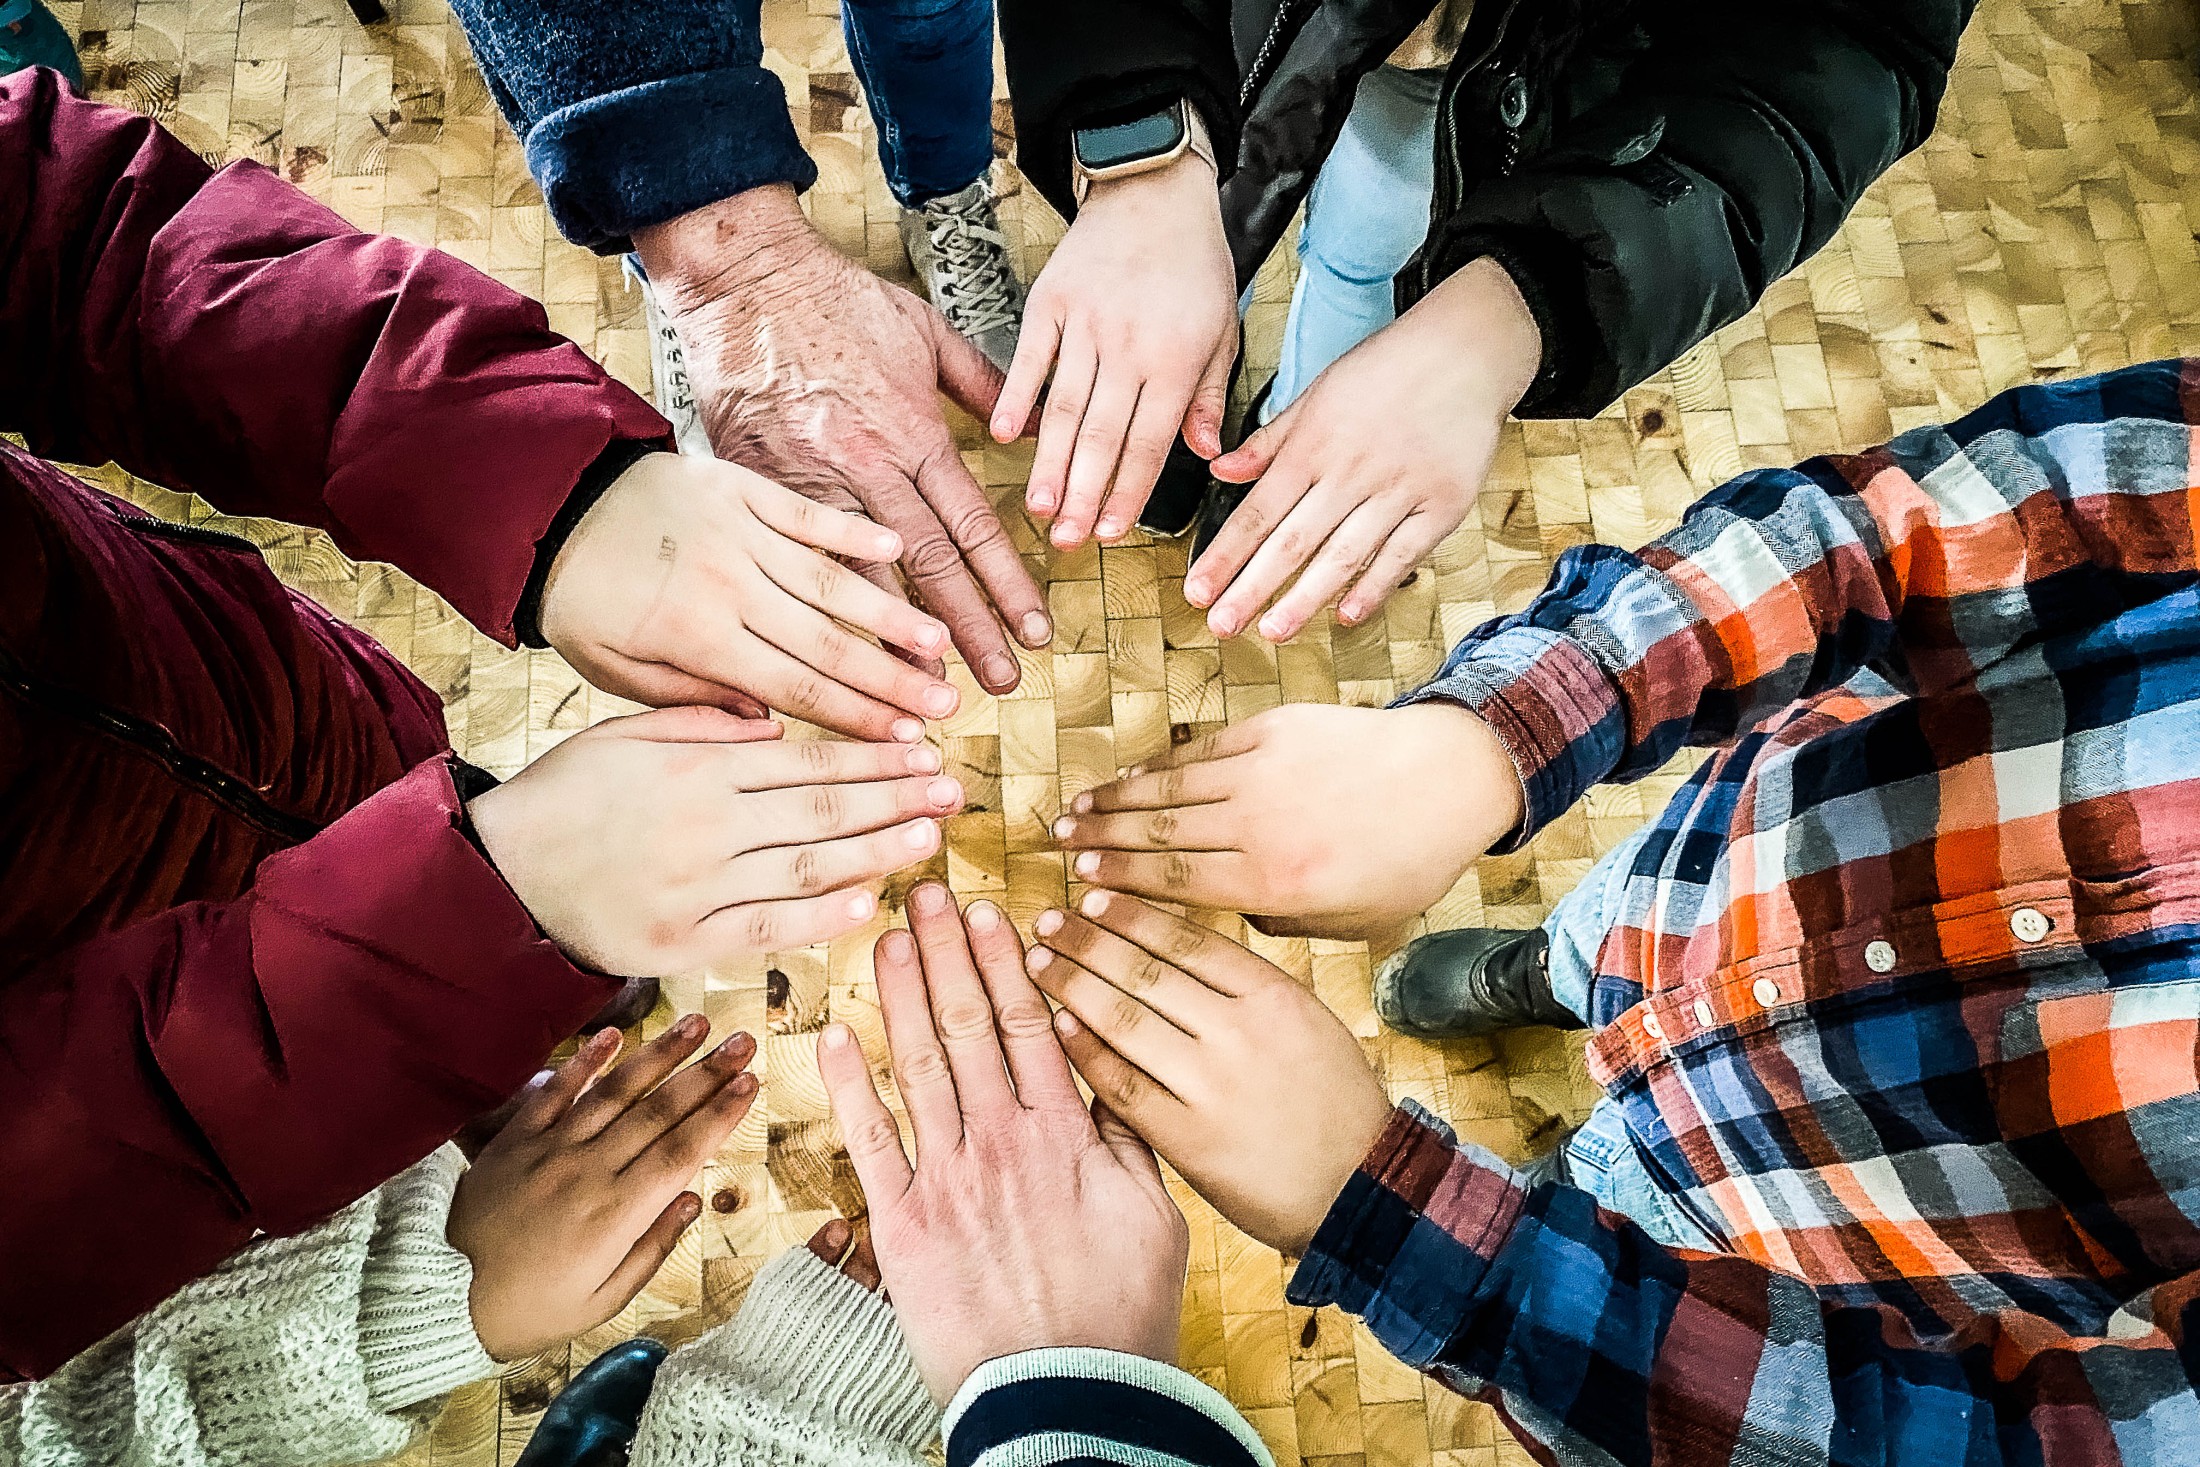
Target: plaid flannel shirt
{"points": [[1902, 998]]}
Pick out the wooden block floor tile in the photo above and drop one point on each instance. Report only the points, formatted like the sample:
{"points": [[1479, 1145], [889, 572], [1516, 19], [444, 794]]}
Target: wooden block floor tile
{"points": [[2047, 228]]}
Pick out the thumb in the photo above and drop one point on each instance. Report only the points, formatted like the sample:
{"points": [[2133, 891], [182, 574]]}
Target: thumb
{"points": [[691, 725], [1203, 419], [966, 376], [1129, 1147], [648, 1254], [1250, 459]]}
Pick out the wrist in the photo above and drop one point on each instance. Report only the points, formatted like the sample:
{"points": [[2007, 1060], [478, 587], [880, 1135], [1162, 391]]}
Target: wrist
{"points": [[1185, 187], [716, 250], [1480, 303], [1479, 764]]}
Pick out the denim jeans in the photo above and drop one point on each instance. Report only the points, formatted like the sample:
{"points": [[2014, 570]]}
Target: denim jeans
{"points": [[1366, 215], [927, 72], [1600, 1158]]}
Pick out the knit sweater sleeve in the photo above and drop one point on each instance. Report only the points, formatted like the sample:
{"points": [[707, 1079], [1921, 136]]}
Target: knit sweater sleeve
{"points": [[811, 1372], [330, 1346]]}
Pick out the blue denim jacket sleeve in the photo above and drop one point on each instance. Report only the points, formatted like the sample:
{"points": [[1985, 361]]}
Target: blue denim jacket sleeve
{"points": [[633, 113]]}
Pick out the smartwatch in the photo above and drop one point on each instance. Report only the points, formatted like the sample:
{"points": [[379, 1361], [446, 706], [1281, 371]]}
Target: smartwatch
{"points": [[1136, 145]]}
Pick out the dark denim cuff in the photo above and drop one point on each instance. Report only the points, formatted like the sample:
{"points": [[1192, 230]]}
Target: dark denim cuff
{"points": [[646, 154]]}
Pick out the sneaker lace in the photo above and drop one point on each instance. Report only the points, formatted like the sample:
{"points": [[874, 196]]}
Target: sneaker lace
{"points": [[978, 286]]}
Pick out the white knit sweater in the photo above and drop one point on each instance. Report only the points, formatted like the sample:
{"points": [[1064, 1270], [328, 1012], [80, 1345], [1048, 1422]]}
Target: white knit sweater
{"points": [[337, 1346]]}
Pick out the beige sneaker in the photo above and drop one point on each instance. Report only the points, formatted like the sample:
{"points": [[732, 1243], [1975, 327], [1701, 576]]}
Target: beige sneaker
{"points": [[959, 252]]}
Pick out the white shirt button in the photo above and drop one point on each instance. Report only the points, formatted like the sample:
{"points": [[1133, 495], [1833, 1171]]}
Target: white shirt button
{"points": [[1651, 1026], [1766, 992], [1879, 956], [2030, 924], [1704, 1016]]}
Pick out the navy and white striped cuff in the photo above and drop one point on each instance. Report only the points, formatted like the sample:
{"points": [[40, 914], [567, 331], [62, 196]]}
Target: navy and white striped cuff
{"points": [[1044, 1408]]}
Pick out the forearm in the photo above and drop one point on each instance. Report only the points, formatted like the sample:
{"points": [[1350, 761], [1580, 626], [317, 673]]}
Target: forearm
{"points": [[1923, 559], [1719, 166], [632, 115], [329, 1346], [1601, 1344], [254, 1065], [1072, 64], [420, 413]]}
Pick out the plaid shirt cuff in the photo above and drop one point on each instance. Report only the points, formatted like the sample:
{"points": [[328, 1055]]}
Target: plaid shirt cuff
{"points": [[1550, 704], [1408, 1243]]}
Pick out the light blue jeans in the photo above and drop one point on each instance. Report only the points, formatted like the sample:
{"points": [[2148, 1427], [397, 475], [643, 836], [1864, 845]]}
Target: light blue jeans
{"points": [[1600, 1158], [1366, 215]]}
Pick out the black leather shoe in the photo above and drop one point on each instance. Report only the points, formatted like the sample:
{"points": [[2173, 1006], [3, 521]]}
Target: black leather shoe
{"points": [[1174, 504], [592, 1421], [1472, 980]]}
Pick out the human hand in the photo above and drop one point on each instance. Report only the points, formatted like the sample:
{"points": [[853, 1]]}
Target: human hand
{"points": [[814, 372], [670, 840], [1238, 1076], [581, 1197], [1343, 820], [1027, 1221], [1374, 464], [1136, 313], [693, 581]]}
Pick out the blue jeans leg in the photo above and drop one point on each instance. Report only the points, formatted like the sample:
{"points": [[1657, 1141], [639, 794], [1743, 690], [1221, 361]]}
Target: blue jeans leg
{"points": [[1366, 215], [1601, 1158], [926, 67]]}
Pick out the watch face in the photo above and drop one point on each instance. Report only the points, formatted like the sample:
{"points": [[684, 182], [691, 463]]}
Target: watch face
{"points": [[1102, 148]]}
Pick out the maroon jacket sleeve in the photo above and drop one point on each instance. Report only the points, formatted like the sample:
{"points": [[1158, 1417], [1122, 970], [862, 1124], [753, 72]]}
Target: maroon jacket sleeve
{"points": [[253, 1065], [223, 334]]}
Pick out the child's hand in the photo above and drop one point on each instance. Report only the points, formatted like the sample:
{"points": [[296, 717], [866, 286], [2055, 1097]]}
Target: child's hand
{"points": [[579, 1200], [1230, 1069]]}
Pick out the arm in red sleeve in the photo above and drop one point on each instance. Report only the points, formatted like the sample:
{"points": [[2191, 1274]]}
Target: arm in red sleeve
{"points": [[223, 334], [175, 1086]]}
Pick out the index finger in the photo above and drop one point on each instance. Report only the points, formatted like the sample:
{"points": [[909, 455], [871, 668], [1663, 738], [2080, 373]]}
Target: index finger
{"points": [[945, 481], [945, 584], [962, 1014]]}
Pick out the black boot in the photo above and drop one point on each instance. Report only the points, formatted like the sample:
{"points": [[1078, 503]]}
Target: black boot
{"points": [[1473, 980], [592, 1421], [1174, 504]]}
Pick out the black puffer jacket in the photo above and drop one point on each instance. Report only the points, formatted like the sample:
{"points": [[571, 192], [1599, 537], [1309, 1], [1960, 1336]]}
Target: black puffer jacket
{"points": [[1643, 170]]}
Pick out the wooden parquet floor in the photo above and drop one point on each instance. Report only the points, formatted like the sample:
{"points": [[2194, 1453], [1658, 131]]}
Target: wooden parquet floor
{"points": [[2046, 229]]}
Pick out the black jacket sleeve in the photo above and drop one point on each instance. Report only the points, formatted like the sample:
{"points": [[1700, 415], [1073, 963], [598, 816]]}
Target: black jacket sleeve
{"points": [[1074, 62], [1729, 155]]}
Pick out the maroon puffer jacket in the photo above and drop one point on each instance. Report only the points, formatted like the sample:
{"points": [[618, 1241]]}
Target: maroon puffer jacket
{"points": [[250, 964]]}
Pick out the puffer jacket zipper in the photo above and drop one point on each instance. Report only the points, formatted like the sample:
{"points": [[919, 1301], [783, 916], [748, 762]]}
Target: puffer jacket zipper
{"points": [[144, 737], [1450, 184]]}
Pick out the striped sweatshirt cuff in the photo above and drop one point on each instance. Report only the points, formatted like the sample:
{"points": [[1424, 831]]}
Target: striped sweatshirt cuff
{"points": [[1085, 1405]]}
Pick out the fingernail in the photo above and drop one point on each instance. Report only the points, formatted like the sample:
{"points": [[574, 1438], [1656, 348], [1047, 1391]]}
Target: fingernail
{"points": [[907, 730], [839, 1036], [1065, 1023], [1066, 535], [944, 792], [1037, 959], [1272, 626], [1063, 827], [1195, 591], [1003, 429], [1000, 671], [1222, 626], [691, 1208], [693, 1026], [1088, 865], [886, 547], [1042, 504], [1095, 903], [736, 1042], [1049, 923], [1082, 804], [930, 898], [859, 905], [932, 638], [1349, 613], [1134, 771], [918, 835], [1109, 529], [924, 759], [743, 1085], [939, 700], [984, 916], [1038, 629]]}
